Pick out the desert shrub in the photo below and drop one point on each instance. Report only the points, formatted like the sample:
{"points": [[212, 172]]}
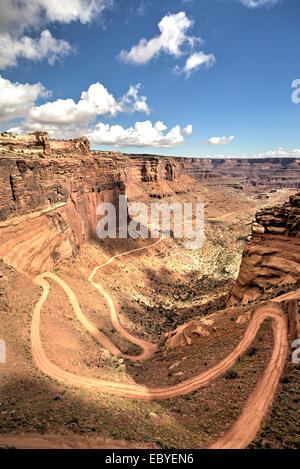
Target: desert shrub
{"points": [[231, 374], [285, 379], [251, 351]]}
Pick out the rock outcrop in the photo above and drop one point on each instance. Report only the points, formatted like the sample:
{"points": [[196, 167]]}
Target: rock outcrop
{"points": [[272, 257], [39, 144], [186, 335], [78, 147], [42, 140]]}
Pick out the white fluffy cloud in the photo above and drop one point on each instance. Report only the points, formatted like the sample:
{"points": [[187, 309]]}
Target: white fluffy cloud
{"points": [[22, 15], [46, 46], [280, 153], [196, 61], [65, 118], [258, 3], [96, 101], [72, 10], [188, 130], [219, 140], [17, 98], [143, 134], [132, 102], [173, 29], [222, 156], [173, 40]]}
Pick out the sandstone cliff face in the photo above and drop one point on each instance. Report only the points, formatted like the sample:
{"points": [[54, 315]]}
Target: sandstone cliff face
{"points": [[254, 174], [79, 146], [49, 190], [258, 174], [48, 208], [272, 257], [154, 169], [262, 173]]}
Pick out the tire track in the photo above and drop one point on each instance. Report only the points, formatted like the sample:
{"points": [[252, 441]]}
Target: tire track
{"points": [[255, 409]]}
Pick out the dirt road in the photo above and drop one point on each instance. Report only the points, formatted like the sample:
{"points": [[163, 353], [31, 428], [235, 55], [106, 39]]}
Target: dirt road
{"points": [[247, 425], [148, 347], [223, 217]]}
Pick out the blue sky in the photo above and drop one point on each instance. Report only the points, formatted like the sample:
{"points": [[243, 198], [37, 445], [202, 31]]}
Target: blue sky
{"points": [[212, 77]]}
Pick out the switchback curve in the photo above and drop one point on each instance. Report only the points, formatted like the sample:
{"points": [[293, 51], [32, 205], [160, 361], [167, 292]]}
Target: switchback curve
{"points": [[249, 422]]}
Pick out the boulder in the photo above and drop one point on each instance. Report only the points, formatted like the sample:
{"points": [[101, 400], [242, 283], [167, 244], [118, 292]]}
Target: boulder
{"points": [[185, 335]]}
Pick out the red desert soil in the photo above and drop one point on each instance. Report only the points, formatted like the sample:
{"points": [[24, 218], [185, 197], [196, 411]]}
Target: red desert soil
{"points": [[249, 422], [36, 441]]}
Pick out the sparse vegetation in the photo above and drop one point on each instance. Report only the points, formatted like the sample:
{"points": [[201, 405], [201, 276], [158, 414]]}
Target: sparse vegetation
{"points": [[251, 351], [231, 374], [153, 294], [281, 430]]}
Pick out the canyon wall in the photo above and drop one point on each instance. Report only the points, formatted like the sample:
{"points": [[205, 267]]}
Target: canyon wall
{"points": [[260, 173], [50, 189], [272, 257], [254, 173], [48, 207]]}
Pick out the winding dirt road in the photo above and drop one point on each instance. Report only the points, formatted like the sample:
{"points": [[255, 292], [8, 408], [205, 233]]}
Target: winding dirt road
{"points": [[249, 422], [148, 347]]}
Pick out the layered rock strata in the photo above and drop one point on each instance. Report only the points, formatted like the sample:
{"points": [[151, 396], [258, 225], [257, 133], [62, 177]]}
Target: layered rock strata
{"points": [[272, 257]]}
